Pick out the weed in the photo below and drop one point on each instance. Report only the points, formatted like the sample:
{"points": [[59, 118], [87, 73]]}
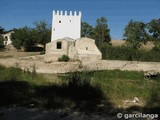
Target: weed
{"points": [[64, 58], [83, 90]]}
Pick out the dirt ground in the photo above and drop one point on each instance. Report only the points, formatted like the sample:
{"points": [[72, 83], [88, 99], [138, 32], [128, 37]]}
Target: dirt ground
{"points": [[22, 113], [32, 60]]}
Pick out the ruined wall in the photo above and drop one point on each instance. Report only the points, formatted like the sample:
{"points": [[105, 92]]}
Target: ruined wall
{"points": [[87, 49], [57, 48], [80, 49]]}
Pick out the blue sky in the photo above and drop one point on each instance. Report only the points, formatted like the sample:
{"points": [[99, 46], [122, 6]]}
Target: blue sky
{"points": [[20, 13]]}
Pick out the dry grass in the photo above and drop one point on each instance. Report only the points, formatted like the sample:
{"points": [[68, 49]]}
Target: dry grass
{"points": [[117, 42], [16, 54], [148, 46]]}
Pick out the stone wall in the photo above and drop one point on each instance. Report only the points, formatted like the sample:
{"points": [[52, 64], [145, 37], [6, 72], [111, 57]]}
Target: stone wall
{"points": [[80, 49], [53, 53], [87, 50]]}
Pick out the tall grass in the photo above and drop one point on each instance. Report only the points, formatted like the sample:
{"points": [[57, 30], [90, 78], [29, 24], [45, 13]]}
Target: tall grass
{"points": [[122, 85], [82, 90], [126, 53], [20, 88], [17, 74]]}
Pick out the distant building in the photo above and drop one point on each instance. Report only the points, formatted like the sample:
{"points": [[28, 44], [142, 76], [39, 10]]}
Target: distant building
{"points": [[7, 37], [66, 25]]}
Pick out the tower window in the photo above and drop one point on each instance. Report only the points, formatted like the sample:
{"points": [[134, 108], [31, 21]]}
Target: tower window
{"points": [[60, 21], [59, 45], [86, 48], [70, 21]]}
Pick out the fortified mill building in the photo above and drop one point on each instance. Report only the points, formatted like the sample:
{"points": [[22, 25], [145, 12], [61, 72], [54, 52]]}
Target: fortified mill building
{"points": [[66, 39]]}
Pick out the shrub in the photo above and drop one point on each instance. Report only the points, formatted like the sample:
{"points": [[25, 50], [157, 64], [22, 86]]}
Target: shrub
{"points": [[42, 52], [64, 58], [1, 43], [79, 79], [10, 73], [126, 53]]}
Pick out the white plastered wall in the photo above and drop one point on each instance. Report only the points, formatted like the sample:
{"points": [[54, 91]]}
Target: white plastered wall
{"points": [[66, 25]]}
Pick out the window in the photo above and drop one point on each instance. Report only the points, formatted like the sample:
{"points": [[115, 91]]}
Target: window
{"points": [[60, 21], [59, 45], [6, 38], [86, 48]]}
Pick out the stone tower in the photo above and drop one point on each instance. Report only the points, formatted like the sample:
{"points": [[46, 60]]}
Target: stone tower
{"points": [[66, 25]]}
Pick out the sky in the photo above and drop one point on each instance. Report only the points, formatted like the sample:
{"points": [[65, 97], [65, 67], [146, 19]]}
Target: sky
{"points": [[20, 13]]}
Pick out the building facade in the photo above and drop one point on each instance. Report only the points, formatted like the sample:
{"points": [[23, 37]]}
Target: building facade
{"points": [[66, 25], [79, 49], [66, 39], [7, 37]]}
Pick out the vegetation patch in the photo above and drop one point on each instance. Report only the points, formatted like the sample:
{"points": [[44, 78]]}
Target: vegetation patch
{"points": [[64, 58], [79, 90], [126, 53]]}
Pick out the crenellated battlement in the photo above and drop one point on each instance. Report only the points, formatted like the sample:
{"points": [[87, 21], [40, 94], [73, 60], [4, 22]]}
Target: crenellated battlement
{"points": [[65, 13], [66, 24]]}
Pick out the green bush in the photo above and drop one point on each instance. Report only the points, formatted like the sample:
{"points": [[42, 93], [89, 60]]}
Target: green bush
{"points": [[126, 53], [64, 58], [42, 52], [1, 43], [79, 79], [10, 73]]}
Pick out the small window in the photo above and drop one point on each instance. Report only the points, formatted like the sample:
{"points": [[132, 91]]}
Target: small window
{"points": [[70, 21], [60, 21], [53, 29], [86, 48], [6, 38], [59, 45]]}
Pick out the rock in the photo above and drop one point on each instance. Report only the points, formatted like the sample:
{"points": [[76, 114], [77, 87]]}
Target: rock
{"points": [[100, 105], [31, 105], [135, 100], [152, 73]]}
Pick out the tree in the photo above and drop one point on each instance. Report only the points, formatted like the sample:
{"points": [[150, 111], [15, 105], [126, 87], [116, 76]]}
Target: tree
{"points": [[2, 30], [86, 30], [101, 32], [135, 34], [24, 38], [1, 42], [43, 32], [154, 31]]}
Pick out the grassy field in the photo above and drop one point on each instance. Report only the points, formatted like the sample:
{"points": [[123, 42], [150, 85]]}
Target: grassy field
{"points": [[83, 91]]}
